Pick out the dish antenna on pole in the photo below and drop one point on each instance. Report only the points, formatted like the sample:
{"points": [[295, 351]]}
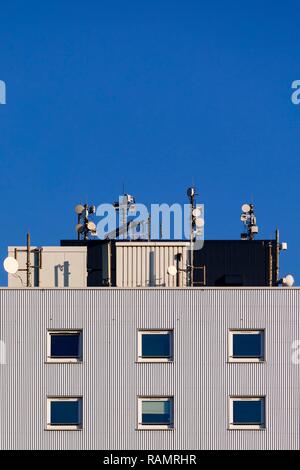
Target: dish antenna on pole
{"points": [[84, 226], [196, 228], [288, 281], [11, 265], [79, 209], [249, 220]]}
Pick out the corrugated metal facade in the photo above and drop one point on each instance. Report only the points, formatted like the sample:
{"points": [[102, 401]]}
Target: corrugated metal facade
{"points": [[109, 379], [145, 264]]}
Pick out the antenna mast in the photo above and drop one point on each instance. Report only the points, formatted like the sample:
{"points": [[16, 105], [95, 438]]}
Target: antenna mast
{"points": [[249, 220], [191, 193], [125, 205], [85, 227]]}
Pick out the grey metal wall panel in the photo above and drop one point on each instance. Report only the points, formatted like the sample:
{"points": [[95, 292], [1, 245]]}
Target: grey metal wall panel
{"points": [[109, 379], [145, 264]]}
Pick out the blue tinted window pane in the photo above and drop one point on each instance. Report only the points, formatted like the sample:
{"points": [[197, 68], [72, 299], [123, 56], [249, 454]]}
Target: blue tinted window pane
{"points": [[155, 419], [245, 345], [155, 345], [65, 345], [65, 412], [156, 412], [248, 412]]}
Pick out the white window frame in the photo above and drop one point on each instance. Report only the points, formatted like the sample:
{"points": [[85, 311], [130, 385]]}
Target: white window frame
{"points": [[64, 360], [252, 331], [154, 427], [232, 425], [69, 427], [141, 332]]}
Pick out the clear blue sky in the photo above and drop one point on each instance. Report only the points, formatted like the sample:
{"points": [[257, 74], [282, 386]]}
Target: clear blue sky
{"points": [[152, 93]]}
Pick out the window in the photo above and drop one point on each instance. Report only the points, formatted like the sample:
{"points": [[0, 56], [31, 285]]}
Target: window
{"points": [[155, 346], [155, 413], [247, 413], [246, 346], [64, 346], [64, 413]]}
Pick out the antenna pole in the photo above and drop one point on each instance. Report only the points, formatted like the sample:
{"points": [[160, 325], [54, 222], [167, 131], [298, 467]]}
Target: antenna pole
{"points": [[249, 220], [149, 228], [109, 263], [191, 195], [78, 222], [86, 221], [84, 226], [28, 267], [270, 265], [192, 238], [124, 219], [277, 255]]}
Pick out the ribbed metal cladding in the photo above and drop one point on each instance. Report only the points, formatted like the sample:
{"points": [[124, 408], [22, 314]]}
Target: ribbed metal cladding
{"points": [[110, 380], [146, 264]]}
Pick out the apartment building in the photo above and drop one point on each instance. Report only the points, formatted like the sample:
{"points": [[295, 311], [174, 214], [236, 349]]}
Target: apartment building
{"points": [[113, 350]]}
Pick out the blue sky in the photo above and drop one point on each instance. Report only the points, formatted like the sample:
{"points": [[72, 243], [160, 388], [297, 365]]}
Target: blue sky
{"points": [[152, 94]]}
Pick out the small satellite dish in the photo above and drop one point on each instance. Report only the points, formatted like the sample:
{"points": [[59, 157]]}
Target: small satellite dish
{"points": [[196, 212], [246, 208], [11, 265], [288, 281], [91, 226], [79, 228], [172, 270], [79, 209], [199, 222], [244, 217]]}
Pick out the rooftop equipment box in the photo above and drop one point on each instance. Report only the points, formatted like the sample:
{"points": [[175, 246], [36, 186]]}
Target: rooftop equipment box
{"points": [[54, 266]]}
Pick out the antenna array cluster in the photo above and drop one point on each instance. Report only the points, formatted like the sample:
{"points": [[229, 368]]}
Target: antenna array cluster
{"points": [[85, 227], [249, 220], [126, 204], [197, 220]]}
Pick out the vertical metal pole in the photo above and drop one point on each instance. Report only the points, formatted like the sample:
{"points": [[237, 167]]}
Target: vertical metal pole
{"points": [[178, 258], [124, 221], [149, 228], [123, 206], [86, 219], [250, 234], [192, 241], [204, 275], [109, 263], [277, 256], [78, 222], [270, 265], [28, 267]]}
